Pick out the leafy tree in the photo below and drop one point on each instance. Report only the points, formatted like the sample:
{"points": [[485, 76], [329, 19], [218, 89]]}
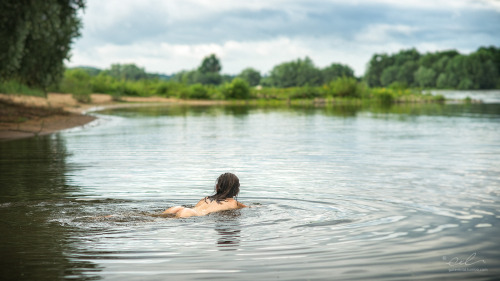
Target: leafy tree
{"points": [[336, 70], [206, 74], [238, 89], [103, 83], [198, 91], [445, 69], [406, 72], [425, 77], [296, 73], [435, 60], [36, 37], [440, 65], [250, 75], [226, 78], [404, 56], [465, 84], [210, 64], [482, 69], [266, 81], [389, 75], [185, 77], [346, 87], [442, 81], [457, 70], [77, 82], [208, 78], [494, 55], [377, 64], [126, 72]]}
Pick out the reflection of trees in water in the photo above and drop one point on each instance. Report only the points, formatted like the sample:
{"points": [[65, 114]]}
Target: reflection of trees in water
{"points": [[338, 110], [180, 110], [228, 228], [32, 168], [33, 188]]}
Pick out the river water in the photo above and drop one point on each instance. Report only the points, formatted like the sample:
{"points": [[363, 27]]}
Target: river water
{"points": [[335, 193]]}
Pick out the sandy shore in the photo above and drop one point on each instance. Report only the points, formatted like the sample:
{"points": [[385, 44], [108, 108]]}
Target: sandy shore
{"points": [[27, 116]]}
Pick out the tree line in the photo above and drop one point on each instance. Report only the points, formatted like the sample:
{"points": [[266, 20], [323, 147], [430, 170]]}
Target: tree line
{"points": [[206, 82], [442, 70], [297, 73]]}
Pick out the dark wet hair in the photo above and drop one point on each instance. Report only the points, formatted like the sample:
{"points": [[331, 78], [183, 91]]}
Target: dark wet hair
{"points": [[226, 186]]}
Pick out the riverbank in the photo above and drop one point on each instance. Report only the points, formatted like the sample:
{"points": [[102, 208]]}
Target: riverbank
{"points": [[28, 116], [23, 116]]}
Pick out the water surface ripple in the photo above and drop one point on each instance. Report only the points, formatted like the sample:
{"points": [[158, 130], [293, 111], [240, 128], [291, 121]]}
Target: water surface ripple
{"points": [[349, 194]]}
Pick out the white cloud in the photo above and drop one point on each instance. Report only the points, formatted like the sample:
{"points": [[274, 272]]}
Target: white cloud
{"points": [[380, 33], [437, 4], [234, 55], [170, 58], [169, 36]]}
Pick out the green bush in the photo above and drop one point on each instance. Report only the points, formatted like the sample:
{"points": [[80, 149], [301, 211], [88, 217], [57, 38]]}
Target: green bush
{"points": [[15, 87], [237, 89], [162, 89], [168, 88], [345, 87], [439, 98], [383, 95], [104, 84], [197, 91], [77, 82], [305, 93], [398, 85]]}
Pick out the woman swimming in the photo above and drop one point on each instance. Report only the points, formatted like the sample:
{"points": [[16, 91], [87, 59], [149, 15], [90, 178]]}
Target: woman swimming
{"points": [[227, 186]]}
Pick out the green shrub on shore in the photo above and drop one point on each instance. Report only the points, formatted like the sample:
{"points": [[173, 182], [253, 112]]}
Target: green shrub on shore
{"points": [[15, 87], [383, 95], [345, 87], [343, 90], [197, 91], [305, 92], [77, 82], [439, 98], [237, 89]]}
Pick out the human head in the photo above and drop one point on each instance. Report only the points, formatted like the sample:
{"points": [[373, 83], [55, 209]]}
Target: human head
{"points": [[227, 185]]}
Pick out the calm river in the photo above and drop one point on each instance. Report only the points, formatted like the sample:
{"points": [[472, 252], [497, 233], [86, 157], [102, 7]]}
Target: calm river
{"points": [[335, 193]]}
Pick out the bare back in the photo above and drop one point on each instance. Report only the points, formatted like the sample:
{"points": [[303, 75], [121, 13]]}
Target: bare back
{"points": [[204, 207], [207, 206]]}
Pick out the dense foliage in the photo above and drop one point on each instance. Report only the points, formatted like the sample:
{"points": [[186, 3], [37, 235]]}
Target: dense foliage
{"points": [[208, 73], [250, 75], [36, 38], [305, 73], [442, 70]]}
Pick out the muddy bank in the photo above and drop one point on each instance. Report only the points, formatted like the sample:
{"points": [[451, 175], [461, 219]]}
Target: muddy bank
{"points": [[21, 121], [27, 116]]}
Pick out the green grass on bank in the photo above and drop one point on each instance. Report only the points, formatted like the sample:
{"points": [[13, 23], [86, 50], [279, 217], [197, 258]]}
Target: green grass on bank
{"points": [[344, 90], [14, 87]]}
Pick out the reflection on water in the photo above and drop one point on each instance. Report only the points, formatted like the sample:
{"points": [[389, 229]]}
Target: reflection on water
{"points": [[431, 109], [229, 230], [32, 186], [336, 192]]}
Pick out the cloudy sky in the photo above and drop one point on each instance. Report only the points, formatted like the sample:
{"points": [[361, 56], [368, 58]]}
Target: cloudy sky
{"points": [[172, 35]]}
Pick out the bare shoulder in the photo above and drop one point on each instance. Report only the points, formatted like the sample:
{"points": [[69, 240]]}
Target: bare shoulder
{"points": [[201, 202], [236, 204]]}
